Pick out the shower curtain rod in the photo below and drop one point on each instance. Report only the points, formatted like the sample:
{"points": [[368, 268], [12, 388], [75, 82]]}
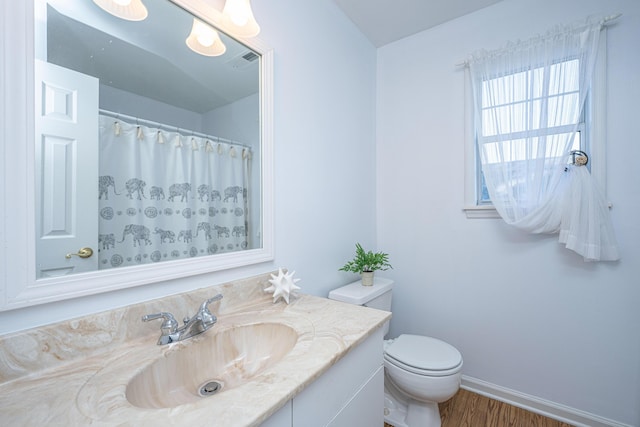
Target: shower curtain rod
{"points": [[186, 132]]}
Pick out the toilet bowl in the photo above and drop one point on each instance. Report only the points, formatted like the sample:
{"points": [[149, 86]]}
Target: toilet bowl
{"points": [[420, 371]]}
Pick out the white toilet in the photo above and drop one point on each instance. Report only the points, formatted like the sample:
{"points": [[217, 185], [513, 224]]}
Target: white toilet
{"points": [[420, 371]]}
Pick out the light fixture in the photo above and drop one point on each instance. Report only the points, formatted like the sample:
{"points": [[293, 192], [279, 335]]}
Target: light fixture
{"points": [[205, 40], [238, 18], [131, 10]]}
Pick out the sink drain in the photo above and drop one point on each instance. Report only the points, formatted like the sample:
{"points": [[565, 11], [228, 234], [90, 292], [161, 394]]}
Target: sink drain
{"points": [[210, 388]]}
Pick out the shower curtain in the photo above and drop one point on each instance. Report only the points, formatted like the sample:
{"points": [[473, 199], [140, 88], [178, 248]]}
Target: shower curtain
{"points": [[166, 195]]}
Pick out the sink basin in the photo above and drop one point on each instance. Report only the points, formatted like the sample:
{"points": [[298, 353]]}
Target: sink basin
{"points": [[219, 361]]}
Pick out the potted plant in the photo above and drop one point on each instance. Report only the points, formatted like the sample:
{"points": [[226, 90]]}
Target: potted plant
{"points": [[365, 263]]}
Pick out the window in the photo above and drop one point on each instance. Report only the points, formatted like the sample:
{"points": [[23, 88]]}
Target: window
{"points": [[537, 100], [529, 99]]}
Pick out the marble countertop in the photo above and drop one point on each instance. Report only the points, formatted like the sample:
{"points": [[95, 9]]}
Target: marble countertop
{"points": [[76, 372]]}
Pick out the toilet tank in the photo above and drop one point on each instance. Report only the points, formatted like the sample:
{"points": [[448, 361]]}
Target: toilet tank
{"points": [[376, 296]]}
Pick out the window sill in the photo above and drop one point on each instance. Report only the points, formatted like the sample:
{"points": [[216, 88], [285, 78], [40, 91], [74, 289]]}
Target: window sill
{"points": [[475, 212], [478, 212]]}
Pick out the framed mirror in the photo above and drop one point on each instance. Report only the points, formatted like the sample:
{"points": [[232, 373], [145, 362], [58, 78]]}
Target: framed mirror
{"points": [[152, 148]]}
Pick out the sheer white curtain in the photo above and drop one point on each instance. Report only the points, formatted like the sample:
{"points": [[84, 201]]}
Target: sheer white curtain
{"points": [[164, 195], [529, 100]]}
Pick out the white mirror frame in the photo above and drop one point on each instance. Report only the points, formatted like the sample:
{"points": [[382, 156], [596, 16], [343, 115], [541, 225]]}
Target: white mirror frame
{"points": [[18, 284]]}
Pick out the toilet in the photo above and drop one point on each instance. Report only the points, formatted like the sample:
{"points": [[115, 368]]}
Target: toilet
{"points": [[420, 371]]}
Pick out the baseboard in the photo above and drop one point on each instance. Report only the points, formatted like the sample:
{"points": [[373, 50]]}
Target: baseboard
{"points": [[535, 404]]}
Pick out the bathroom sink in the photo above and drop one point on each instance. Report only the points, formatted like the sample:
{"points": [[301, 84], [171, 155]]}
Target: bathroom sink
{"points": [[216, 362]]}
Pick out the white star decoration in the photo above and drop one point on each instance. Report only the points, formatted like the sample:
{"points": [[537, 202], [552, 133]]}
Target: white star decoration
{"points": [[282, 285]]}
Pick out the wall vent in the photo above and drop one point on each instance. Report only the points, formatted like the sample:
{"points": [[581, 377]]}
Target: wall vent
{"points": [[243, 60], [250, 56]]}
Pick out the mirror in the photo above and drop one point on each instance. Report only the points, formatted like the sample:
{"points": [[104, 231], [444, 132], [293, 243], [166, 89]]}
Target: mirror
{"points": [[148, 139], [23, 135]]}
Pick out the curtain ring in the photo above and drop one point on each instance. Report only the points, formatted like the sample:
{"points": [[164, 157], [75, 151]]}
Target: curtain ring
{"points": [[579, 158], [178, 141]]}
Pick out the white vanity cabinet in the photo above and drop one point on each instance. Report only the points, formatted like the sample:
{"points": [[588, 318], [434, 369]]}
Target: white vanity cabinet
{"points": [[282, 418], [349, 394]]}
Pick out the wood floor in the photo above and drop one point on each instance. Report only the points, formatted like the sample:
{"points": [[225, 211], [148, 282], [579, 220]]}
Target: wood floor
{"points": [[467, 409]]}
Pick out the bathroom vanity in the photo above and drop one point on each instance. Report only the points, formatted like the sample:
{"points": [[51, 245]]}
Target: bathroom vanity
{"points": [[313, 362], [349, 394]]}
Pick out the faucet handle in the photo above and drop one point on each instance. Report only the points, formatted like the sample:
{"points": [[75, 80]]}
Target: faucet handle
{"points": [[204, 313], [169, 325], [204, 308]]}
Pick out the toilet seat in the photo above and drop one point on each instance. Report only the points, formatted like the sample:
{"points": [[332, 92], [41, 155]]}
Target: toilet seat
{"points": [[423, 355]]}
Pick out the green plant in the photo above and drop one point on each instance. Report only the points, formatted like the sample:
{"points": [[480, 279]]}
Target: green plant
{"points": [[367, 261]]}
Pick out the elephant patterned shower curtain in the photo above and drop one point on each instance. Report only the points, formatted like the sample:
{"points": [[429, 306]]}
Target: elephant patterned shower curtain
{"points": [[166, 196]]}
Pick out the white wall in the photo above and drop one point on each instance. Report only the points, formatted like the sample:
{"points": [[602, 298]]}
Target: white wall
{"points": [[130, 104], [527, 314], [237, 121], [324, 150]]}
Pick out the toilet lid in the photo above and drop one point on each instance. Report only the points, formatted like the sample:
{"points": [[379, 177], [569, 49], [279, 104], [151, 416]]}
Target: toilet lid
{"points": [[424, 353]]}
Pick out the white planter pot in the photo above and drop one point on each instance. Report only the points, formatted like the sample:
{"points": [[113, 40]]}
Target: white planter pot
{"points": [[367, 278]]}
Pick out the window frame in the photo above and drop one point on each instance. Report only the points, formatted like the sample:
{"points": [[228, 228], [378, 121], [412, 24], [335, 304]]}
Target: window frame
{"points": [[593, 138]]}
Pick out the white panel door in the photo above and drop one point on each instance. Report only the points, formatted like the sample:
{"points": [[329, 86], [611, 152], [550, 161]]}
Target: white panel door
{"points": [[66, 133]]}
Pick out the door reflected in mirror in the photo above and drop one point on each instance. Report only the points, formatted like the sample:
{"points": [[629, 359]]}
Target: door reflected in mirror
{"points": [[147, 149]]}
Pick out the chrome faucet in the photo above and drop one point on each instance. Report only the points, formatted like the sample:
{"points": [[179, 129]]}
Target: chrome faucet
{"points": [[200, 322]]}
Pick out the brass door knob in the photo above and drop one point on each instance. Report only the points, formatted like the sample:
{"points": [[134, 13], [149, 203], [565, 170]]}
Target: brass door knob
{"points": [[82, 253]]}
